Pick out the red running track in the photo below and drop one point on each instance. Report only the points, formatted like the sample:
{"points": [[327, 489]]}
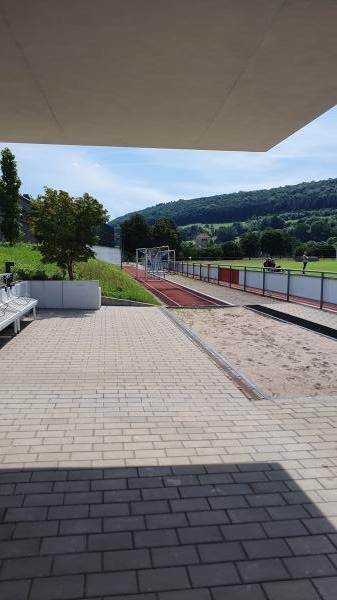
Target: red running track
{"points": [[173, 294]]}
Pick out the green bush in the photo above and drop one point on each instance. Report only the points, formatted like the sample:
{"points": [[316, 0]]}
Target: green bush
{"points": [[39, 273]]}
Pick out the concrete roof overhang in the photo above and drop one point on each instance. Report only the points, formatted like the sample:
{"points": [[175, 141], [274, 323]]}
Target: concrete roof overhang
{"points": [[203, 74]]}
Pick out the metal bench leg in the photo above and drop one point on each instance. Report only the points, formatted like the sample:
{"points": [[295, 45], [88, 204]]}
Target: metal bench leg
{"points": [[34, 312]]}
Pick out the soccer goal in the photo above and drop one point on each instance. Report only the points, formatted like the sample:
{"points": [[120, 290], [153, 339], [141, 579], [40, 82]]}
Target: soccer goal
{"points": [[153, 263]]}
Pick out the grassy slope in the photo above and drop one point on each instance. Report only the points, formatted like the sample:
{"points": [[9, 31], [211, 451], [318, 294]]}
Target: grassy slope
{"points": [[113, 281]]}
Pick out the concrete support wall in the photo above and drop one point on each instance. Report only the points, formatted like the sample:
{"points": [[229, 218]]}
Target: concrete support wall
{"points": [[84, 295]]}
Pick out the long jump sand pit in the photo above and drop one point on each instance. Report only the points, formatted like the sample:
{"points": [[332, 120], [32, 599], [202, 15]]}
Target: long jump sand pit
{"points": [[282, 359]]}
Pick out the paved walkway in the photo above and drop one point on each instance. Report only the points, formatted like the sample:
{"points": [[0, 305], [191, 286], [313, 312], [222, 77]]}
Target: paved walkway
{"points": [[315, 315], [131, 467], [234, 296]]}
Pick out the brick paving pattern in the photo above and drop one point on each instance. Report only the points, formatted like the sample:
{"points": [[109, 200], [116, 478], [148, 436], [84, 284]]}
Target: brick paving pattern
{"points": [[132, 468]]}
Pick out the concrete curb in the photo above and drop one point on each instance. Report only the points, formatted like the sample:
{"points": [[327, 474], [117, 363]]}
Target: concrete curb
{"points": [[249, 389], [109, 301]]}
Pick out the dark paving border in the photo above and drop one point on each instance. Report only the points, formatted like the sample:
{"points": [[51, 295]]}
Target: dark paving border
{"points": [[311, 325]]}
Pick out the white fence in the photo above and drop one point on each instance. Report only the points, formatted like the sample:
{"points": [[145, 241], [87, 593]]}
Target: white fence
{"points": [[320, 288]]}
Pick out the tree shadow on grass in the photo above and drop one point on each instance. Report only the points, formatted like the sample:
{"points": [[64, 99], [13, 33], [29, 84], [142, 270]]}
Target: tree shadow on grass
{"points": [[202, 532]]}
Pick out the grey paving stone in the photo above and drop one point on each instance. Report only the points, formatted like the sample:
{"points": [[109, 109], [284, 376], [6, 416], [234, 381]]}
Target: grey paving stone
{"points": [[278, 513], [166, 521], [199, 535], [14, 476], [63, 544], [221, 552], [275, 548], [6, 531], [109, 541], [155, 537], [150, 507], [188, 469], [14, 515], [34, 488], [269, 487], [226, 502], [245, 531], [215, 478], [108, 484], [126, 560], [262, 570], [319, 525], [284, 528], [154, 471], [43, 500], [213, 575], [157, 580], [327, 587], [111, 583], [133, 523], [108, 510], [80, 526], [247, 515], [249, 477], [68, 587], [291, 590], [86, 562], [68, 512], [14, 590], [82, 498], [7, 489], [145, 482], [84, 474], [310, 566], [28, 567], [318, 544], [239, 592], [17, 548], [180, 480], [174, 556], [56, 475], [10, 501], [35, 529], [264, 500], [191, 504], [72, 486], [197, 491], [120, 473], [185, 595], [213, 517], [233, 489], [160, 494], [122, 496]]}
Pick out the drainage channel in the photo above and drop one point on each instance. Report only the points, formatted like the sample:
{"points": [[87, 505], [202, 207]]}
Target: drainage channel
{"points": [[294, 320]]}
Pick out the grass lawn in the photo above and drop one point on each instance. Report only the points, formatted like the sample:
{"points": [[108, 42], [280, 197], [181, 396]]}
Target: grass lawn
{"points": [[113, 281], [326, 264]]}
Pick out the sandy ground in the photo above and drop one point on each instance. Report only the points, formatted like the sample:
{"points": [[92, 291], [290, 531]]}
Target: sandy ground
{"points": [[282, 359]]}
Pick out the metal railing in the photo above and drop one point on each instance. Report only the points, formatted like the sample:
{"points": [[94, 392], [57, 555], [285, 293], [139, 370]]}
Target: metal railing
{"points": [[294, 283]]}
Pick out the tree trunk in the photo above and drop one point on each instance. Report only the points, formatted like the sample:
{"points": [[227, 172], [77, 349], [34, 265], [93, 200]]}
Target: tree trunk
{"points": [[71, 269]]}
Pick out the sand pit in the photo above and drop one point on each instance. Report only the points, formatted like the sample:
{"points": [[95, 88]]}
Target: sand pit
{"points": [[282, 359]]}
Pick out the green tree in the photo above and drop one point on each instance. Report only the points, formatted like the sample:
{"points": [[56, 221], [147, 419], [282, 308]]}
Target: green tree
{"points": [[250, 243], [65, 227], [136, 233], [9, 197], [165, 233], [231, 250], [273, 242]]}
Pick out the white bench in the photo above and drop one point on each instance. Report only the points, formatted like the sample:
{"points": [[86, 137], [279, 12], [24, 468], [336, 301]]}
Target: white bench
{"points": [[13, 308]]}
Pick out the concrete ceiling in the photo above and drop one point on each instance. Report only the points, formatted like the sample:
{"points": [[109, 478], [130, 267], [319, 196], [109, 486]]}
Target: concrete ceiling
{"points": [[203, 74]]}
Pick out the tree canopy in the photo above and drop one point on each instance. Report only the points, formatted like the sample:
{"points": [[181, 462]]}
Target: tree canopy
{"points": [[65, 227], [9, 197]]}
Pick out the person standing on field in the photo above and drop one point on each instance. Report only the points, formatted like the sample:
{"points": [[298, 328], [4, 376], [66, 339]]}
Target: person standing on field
{"points": [[305, 261]]}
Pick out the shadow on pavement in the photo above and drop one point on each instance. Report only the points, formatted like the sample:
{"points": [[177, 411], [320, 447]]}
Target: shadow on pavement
{"points": [[203, 532]]}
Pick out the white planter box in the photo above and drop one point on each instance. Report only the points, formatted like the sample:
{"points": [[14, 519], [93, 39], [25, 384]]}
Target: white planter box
{"points": [[84, 295]]}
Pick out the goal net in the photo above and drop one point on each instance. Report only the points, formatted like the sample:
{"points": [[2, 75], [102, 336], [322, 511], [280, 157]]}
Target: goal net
{"points": [[153, 263]]}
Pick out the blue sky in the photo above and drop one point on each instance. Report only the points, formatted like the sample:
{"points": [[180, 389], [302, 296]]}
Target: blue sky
{"points": [[129, 179]]}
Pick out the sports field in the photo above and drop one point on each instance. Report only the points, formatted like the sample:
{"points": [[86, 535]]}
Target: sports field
{"points": [[326, 264]]}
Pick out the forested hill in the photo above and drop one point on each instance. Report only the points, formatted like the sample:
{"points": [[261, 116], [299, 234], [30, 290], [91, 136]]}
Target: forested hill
{"points": [[242, 206]]}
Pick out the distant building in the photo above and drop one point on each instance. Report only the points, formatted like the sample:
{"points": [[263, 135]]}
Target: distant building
{"points": [[203, 239]]}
